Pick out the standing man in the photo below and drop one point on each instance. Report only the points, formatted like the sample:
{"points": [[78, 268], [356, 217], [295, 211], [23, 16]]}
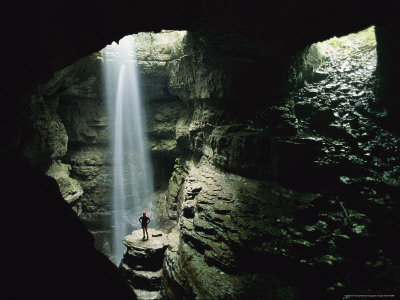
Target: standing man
{"points": [[144, 220]]}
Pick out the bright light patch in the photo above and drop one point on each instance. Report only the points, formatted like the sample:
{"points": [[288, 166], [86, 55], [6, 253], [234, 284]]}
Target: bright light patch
{"points": [[351, 44]]}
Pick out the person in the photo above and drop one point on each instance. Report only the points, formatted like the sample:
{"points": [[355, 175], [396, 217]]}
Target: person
{"points": [[144, 220]]}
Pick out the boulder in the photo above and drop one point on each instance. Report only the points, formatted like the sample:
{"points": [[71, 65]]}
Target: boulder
{"points": [[70, 188], [304, 109], [322, 118]]}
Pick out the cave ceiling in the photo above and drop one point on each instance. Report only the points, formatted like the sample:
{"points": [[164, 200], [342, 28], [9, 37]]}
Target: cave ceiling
{"points": [[45, 37]]}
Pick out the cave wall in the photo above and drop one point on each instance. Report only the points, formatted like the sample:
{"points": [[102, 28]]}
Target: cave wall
{"points": [[296, 178], [387, 62]]}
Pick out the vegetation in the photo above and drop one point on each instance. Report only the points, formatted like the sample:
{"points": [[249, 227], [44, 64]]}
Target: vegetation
{"points": [[362, 40], [176, 171]]}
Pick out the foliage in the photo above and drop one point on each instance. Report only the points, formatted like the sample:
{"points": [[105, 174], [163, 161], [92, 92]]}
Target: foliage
{"points": [[176, 171], [362, 40]]}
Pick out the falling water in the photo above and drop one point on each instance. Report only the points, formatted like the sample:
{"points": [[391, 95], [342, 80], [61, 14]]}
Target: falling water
{"points": [[132, 171]]}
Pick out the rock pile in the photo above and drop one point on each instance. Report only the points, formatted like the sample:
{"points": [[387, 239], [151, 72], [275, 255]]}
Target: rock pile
{"points": [[142, 262]]}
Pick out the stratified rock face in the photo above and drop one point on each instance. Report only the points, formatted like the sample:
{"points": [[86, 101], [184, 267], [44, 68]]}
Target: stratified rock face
{"points": [[277, 194], [230, 224]]}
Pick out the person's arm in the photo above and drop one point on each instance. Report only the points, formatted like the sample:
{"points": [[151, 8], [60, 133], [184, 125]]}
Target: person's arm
{"points": [[148, 221]]}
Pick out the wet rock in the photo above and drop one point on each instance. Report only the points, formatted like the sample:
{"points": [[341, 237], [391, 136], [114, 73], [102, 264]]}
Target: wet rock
{"points": [[222, 208], [147, 295], [241, 152], [143, 280], [322, 118], [318, 76], [360, 107], [331, 86], [304, 109], [311, 92], [189, 208], [173, 215], [70, 188], [187, 274]]}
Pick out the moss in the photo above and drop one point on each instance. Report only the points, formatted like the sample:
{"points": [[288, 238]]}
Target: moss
{"points": [[65, 167], [173, 187], [169, 144], [162, 130], [347, 44], [163, 145], [177, 170]]}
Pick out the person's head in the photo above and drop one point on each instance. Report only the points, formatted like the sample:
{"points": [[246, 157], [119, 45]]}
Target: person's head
{"points": [[144, 213]]}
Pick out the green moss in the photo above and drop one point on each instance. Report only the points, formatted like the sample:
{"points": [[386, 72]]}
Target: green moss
{"points": [[170, 144], [162, 130], [177, 170], [346, 44], [63, 167], [162, 145], [73, 180], [163, 127]]}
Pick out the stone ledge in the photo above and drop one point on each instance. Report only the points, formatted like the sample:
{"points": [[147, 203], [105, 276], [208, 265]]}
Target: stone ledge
{"points": [[150, 246], [146, 295]]}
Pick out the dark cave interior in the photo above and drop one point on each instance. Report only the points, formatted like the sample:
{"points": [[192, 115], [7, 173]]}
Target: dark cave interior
{"points": [[50, 254]]}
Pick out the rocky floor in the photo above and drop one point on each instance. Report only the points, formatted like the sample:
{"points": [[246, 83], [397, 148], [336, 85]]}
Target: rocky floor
{"points": [[338, 108], [339, 104]]}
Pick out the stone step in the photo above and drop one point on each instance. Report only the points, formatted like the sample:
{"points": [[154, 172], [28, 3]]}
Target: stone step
{"points": [[147, 280], [146, 295]]}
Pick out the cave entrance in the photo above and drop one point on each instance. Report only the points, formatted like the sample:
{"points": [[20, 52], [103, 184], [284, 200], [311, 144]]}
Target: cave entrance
{"points": [[335, 97], [334, 83]]}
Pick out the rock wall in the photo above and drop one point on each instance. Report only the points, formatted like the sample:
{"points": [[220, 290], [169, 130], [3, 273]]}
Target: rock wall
{"points": [[287, 198], [233, 231]]}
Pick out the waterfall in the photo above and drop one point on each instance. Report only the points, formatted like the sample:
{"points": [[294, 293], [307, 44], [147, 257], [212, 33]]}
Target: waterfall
{"points": [[132, 170]]}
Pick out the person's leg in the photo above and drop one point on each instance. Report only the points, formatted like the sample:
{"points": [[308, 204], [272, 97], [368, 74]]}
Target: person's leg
{"points": [[143, 228], [147, 233]]}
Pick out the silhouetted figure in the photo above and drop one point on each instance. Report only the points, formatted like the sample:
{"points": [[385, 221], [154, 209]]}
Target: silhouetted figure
{"points": [[144, 220]]}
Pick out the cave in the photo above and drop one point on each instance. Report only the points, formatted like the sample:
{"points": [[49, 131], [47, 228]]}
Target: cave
{"points": [[273, 143]]}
